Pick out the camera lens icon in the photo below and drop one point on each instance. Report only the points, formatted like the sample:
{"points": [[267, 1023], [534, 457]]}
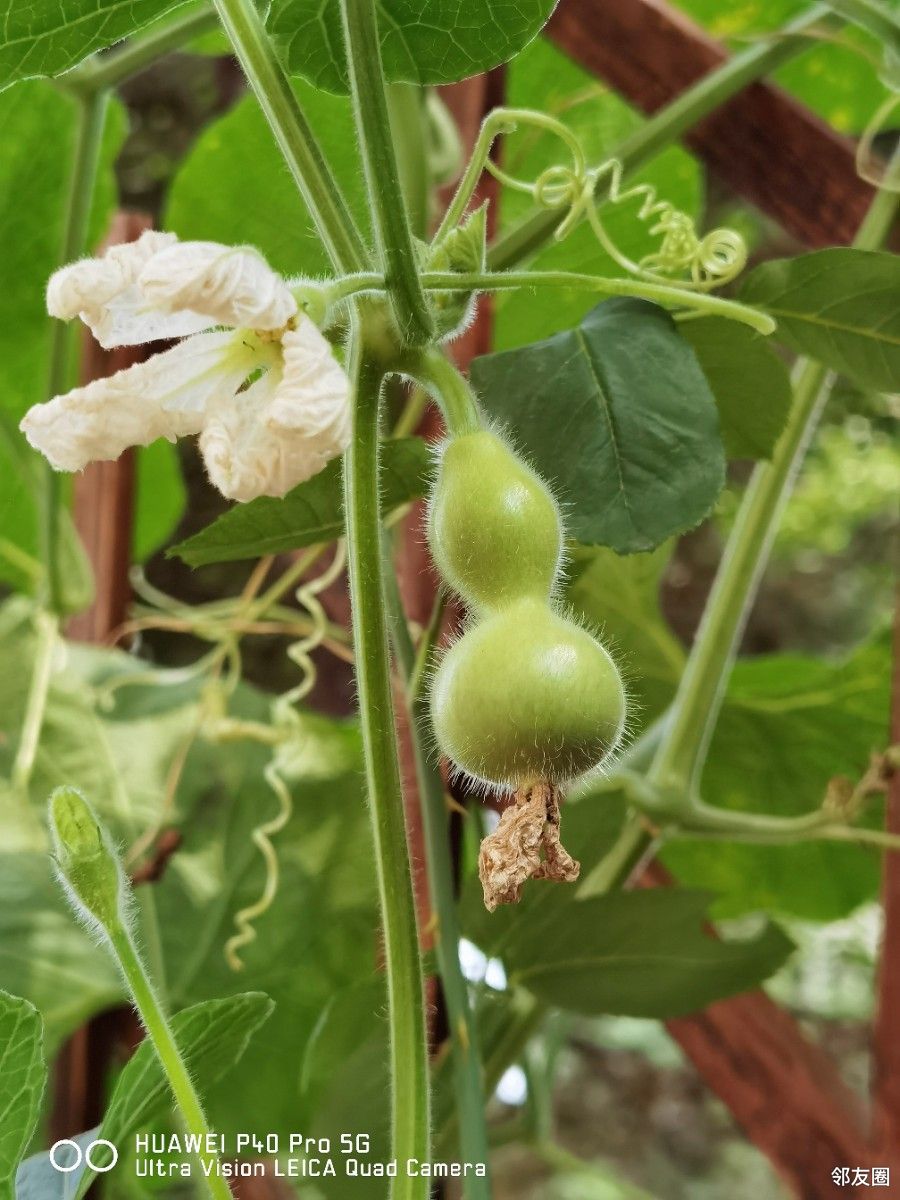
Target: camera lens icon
{"points": [[67, 1156]]}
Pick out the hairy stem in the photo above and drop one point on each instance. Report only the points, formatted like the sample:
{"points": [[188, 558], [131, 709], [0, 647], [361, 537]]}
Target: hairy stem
{"points": [[386, 200], [85, 163], [109, 70], [293, 133], [437, 374], [409, 1067], [681, 754], [673, 121], [464, 1040], [160, 1033], [48, 634], [700, 302]]}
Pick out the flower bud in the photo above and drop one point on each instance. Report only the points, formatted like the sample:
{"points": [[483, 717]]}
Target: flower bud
{"points": [[87, 865]]}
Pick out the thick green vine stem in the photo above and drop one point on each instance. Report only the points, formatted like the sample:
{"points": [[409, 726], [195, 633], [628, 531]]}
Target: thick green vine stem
{"points": [[85, 163], [410, 1103], [302, 152], [680, 758], [386, 201]]}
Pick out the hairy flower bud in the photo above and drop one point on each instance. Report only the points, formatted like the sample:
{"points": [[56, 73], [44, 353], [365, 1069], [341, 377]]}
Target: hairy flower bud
{"points": [[88, 866]]}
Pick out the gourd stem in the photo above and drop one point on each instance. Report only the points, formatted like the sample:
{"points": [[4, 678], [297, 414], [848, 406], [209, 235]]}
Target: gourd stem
{"points": [[160, 1033], [294, 135], [410, 1116], [387, 204], [437, 374], [671, 122]]}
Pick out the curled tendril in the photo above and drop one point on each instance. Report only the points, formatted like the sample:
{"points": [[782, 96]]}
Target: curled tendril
{"points": [[868, 166], [286, 733], [700, 263]]}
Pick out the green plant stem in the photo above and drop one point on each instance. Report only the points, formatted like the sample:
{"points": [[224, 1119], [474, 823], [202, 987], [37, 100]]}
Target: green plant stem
{"points": [[874, 17], [160, 1033], [36, 706], [680, 758], [673, 121], [390, 219], [435, 372], [107, 71], [406, 106], [409, 1067], [700, 302], [294, 135], [85, 163], [464, 1039]]}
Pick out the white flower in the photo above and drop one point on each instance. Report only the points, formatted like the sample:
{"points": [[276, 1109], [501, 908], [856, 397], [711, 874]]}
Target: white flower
{"points": [[258, 437]]}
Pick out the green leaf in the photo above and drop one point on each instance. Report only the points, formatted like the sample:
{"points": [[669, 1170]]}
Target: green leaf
{"points": [[790, 724], [641, 954], [839, 306], [47, 37], [212, 1036], [618, 415], [751, 384], [311, 513], [544, 78], [214, 196], [37, 132], [22, 1077], [422, 41]]}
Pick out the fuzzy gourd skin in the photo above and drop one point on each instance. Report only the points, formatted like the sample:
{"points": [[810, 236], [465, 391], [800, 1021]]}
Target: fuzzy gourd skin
{"points": [[527, 695], [493, 526]]}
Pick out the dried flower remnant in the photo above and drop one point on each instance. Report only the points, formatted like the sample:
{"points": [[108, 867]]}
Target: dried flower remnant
{"points": [[270, 403], [525, 845]]}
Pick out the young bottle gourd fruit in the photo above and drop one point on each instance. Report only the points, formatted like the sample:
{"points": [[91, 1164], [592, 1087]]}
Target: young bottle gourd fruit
{"points": [[526, 696]]}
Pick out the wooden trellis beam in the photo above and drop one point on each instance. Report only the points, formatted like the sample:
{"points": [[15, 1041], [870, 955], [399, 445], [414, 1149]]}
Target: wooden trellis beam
{"points": [[765, 145]]}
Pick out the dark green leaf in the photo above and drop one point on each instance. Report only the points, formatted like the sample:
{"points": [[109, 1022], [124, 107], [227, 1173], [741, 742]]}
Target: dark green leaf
{"points": [[22, 1076], [46, 37], [640, 954], [619, 416], [839, 306], [212, 1036], [751, 384], [310, 514], [422, 41]]}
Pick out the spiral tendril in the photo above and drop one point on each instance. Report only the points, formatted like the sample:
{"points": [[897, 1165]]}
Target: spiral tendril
{"points": [[287, 731], [699, 263]]}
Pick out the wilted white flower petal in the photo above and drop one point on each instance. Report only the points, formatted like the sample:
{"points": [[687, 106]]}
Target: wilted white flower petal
{"points": [[313, 398], [166, 396], [246, 456], [103, 292], [231, 285]]}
